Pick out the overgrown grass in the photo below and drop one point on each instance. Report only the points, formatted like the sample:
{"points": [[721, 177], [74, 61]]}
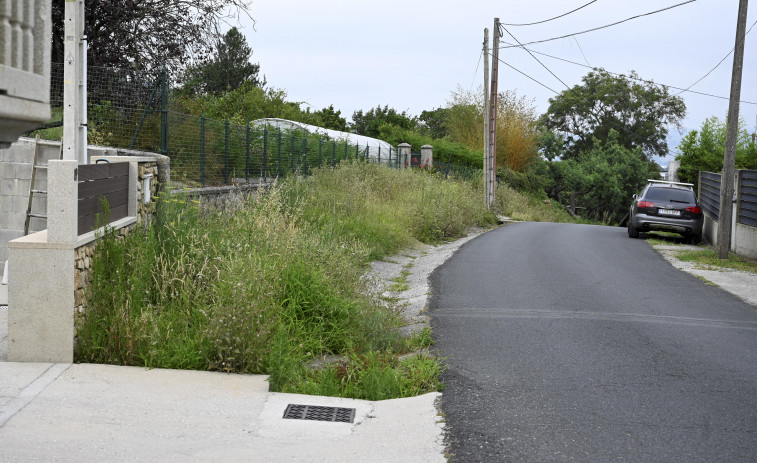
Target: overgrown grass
{"points": [[270, 282], [522, 206], [708, 258]]}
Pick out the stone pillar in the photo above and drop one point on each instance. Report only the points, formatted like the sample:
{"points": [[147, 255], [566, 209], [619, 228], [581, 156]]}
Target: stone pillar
{"points": [[427, 157], [403, 150]]}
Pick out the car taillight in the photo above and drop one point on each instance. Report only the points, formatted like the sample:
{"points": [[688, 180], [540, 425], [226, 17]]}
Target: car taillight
{"points": [[694, 209], [645, 204]]}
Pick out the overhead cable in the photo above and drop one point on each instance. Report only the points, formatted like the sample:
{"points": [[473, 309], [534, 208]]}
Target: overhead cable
{"points": [[719, 63], [633, 78], [550, 19], [604, 27]]}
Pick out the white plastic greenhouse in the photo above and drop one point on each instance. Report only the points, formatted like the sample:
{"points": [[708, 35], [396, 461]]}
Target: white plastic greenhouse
{"points": [[377, 149]]}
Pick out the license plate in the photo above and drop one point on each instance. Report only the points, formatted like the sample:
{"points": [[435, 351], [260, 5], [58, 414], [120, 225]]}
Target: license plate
{"points": [[669, 212]]}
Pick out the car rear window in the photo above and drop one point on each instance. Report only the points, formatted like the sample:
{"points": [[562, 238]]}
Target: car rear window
{"points": [[670, 194]]}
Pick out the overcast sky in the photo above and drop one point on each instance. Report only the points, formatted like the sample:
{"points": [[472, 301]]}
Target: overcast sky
{"points": [[411, 54]]}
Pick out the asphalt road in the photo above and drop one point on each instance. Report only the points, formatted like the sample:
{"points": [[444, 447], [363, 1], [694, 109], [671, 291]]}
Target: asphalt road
{"points": [[575, 343]]}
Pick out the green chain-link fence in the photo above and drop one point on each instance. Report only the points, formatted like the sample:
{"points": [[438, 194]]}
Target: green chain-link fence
{"points": [[129, 109]]}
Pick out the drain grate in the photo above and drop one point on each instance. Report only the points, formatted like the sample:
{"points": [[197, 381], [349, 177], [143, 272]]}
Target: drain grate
{"points": [[316, 413]]}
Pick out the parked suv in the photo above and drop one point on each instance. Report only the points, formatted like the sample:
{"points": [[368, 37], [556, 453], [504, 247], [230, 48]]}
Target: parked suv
{"points": [[666, 206]]}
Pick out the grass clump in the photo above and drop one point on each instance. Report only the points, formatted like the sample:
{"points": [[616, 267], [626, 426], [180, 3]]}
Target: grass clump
{"points": [[268, 283], [708, 258]]}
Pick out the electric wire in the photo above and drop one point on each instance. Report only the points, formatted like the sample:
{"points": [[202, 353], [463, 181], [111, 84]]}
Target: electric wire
{"points": [[606, 26], [551, 19], [527, 76], [582, 50], [617, 125], [635, 78], [480, 57], [719, 63]]}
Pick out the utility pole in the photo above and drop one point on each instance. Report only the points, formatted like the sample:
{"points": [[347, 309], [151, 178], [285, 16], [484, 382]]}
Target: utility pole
{"points": [[492, 152], [486, 118], [75, 83], [729, 159]]}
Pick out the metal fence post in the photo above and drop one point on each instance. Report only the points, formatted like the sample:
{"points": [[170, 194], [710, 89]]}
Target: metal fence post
{"points": [[320, 152], [333, 155], [278, 170], [247, 155], [226, 152], [265, 153], [202, 148], [164, 113]]}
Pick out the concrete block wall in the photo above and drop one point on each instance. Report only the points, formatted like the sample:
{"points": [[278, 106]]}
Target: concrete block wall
{"points": [[15, 181]]}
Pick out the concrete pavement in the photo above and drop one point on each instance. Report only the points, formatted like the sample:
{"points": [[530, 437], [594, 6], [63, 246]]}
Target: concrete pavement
{"points": [[63, 412]]}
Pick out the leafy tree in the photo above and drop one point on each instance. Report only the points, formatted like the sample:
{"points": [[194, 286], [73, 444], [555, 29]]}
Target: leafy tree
{"points": [[603, 179], [639, 112], [703, 150], [329, 118], [434, 123], [147, 34], [227, 70], [517, 130], [369, 123]]}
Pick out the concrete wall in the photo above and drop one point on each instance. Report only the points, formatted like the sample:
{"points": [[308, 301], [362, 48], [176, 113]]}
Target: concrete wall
{"points": [[15, 181], [745, 241], [710, 230]]}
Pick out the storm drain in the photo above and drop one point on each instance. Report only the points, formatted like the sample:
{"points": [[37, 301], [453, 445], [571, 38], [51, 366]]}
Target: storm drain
{"points": [[316, 413]]}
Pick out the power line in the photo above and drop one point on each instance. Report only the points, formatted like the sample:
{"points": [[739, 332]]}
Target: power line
{"points": [[597, 118], [476, 73], [534, 57], [630, 77], [550, 19], [526, 75], [606, 26], [719, 63]]}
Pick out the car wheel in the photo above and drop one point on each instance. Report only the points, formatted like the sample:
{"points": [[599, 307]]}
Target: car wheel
{"points": [[632, 231], [695, 239]]}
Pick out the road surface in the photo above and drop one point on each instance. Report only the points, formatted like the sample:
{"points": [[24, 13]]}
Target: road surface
{"points": [[573, 342]]}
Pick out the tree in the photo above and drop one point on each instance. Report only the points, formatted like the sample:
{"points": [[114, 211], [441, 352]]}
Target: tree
{"points": [[517, 130], [369, 123], [703, 150], [638, 111], [330, 118], [603, 178], [227, 70], [434, 123], [147, 34]]}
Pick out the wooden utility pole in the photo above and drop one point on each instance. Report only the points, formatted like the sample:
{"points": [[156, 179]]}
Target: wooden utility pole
{"points": [[729, 158], [486, 118], [492, 152]]}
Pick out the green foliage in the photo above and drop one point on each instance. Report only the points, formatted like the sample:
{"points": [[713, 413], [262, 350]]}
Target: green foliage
{"points": [[704, 150], [227, 70], [445, 151], [434, 123], [604, 178], [370, 123], [639, 112], [517, 135]]}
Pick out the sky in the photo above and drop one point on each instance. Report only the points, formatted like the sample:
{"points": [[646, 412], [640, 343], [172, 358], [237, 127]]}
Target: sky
{"points": [[412, 54]]}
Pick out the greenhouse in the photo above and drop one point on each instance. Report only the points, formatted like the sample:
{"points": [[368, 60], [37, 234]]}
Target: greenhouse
{"points": [[376, 149]]}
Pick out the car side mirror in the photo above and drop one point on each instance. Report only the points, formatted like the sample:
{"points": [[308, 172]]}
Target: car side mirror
{"points": [[634, 196]]}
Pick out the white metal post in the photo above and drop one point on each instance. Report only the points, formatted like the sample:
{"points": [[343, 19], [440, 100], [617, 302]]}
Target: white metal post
{"points": [[74, 84]]}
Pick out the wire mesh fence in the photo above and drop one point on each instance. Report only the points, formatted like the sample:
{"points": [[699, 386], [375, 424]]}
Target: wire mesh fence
{"points": [[130, 109]]}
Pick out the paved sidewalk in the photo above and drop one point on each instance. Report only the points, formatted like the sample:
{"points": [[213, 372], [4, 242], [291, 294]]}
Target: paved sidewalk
{"points": [[81, 413]]}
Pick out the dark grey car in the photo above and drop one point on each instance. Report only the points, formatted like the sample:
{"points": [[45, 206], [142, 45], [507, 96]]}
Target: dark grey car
{"points": [[666, 206]]}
